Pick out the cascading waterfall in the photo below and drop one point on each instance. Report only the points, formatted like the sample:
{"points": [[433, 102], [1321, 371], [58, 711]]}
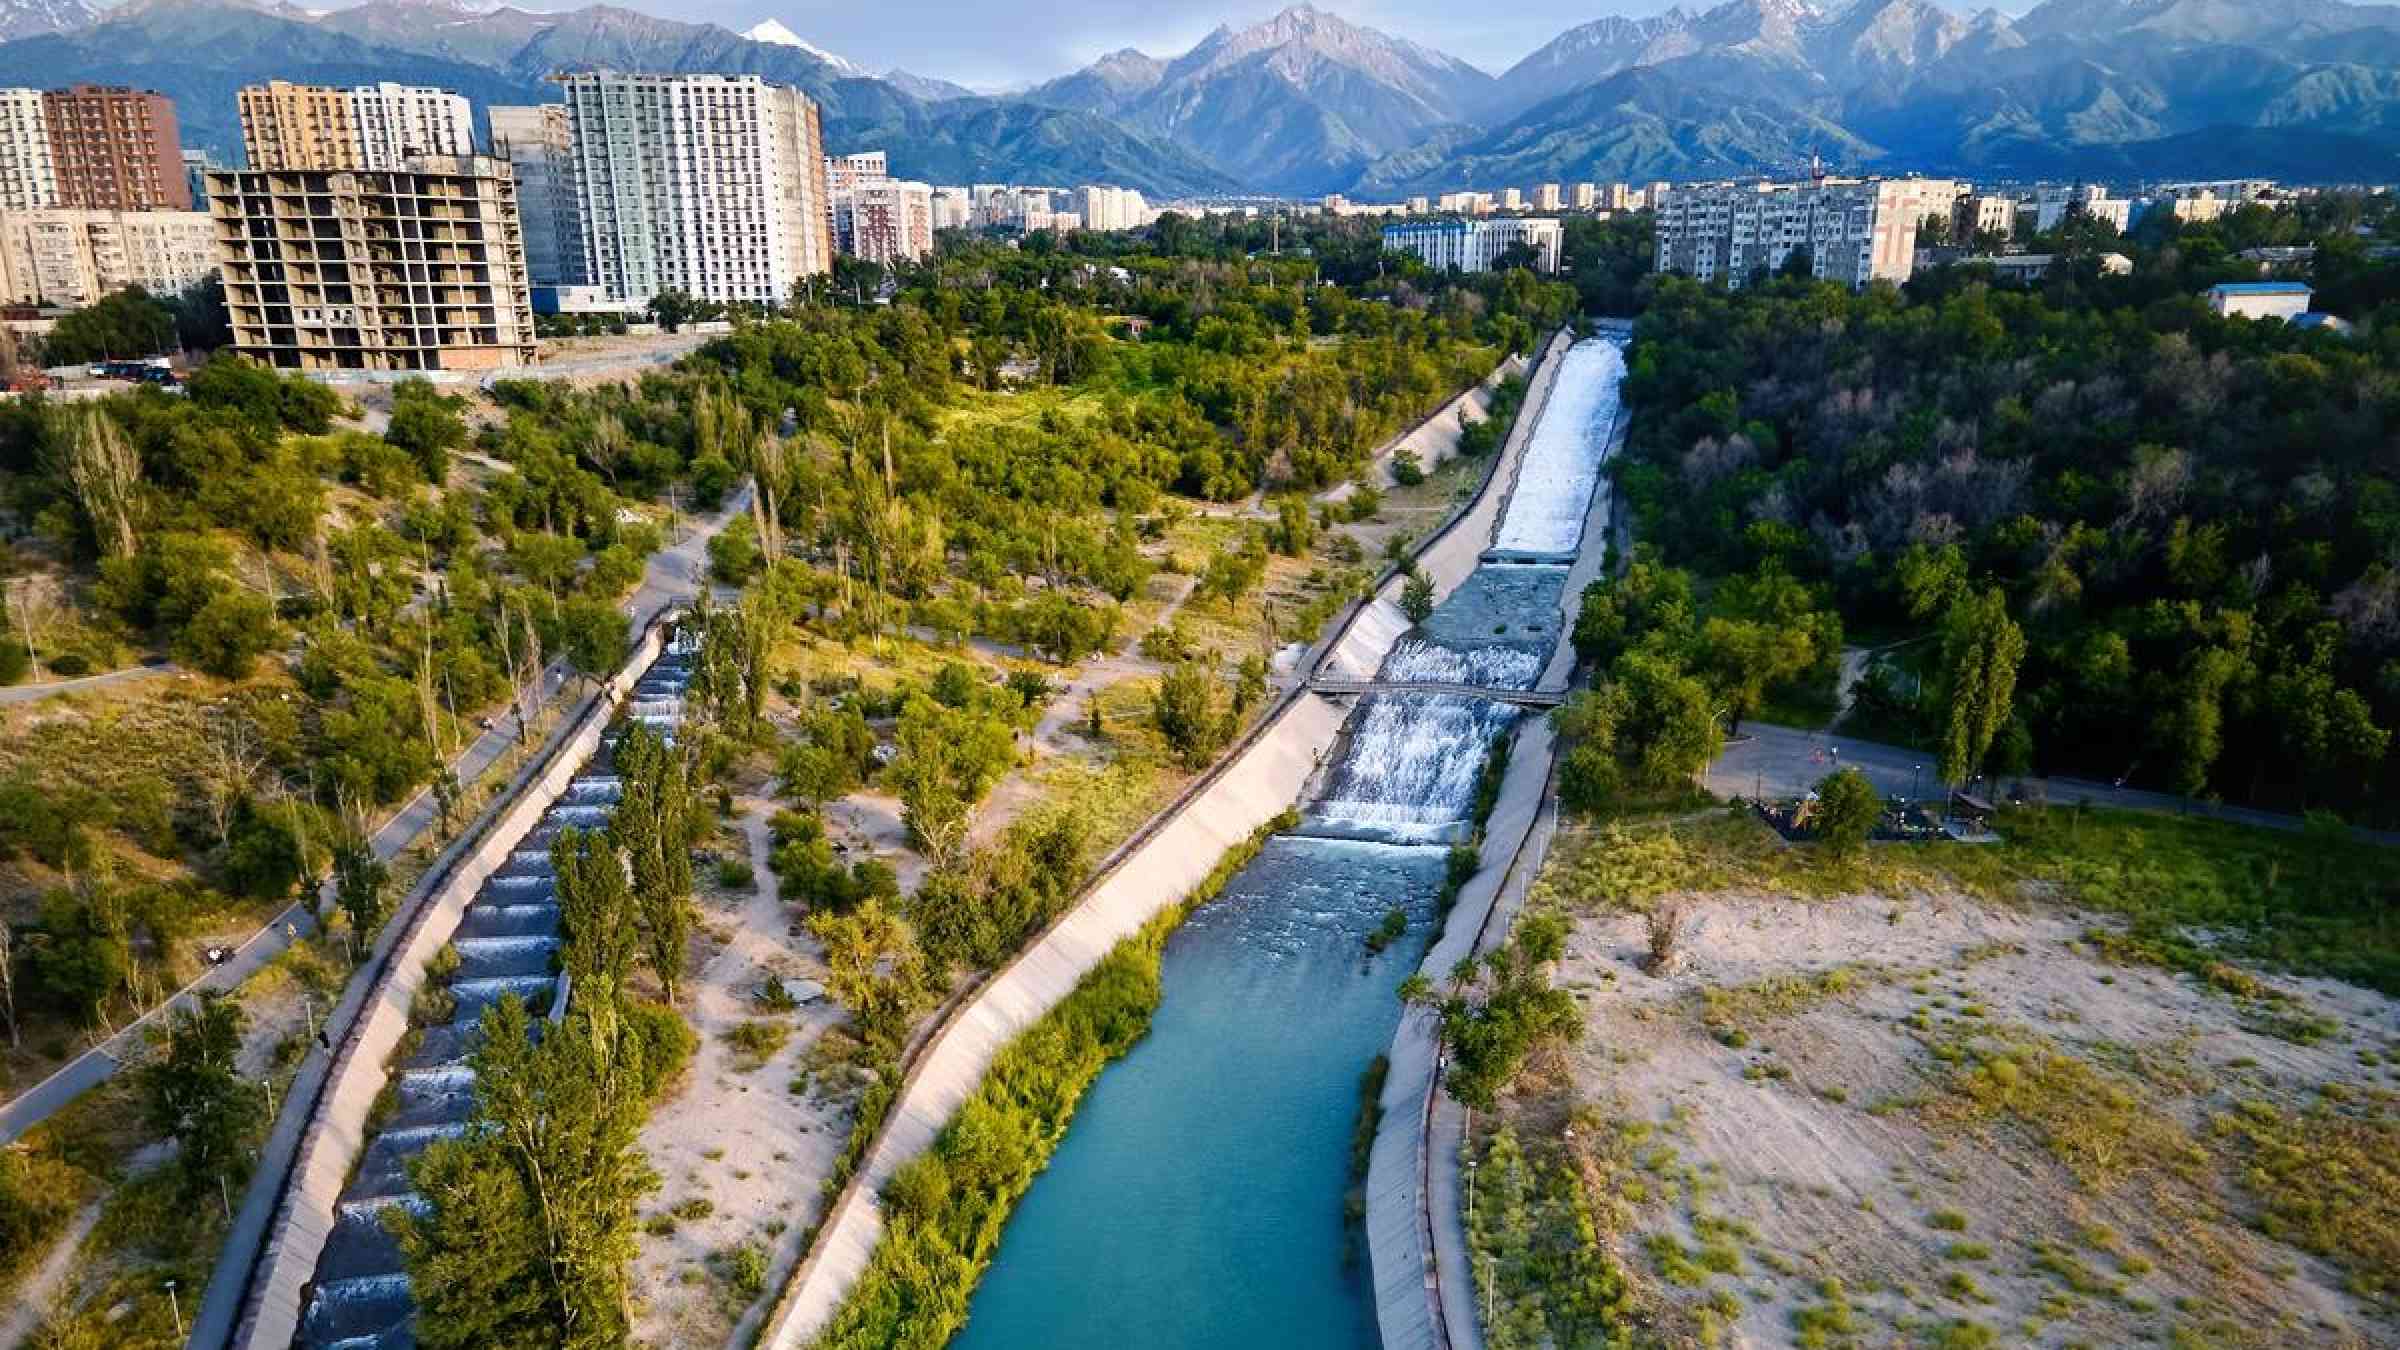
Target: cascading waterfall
{"points": [[507, 943], [1197, 1201], [1415, 661], [1409, 774]]}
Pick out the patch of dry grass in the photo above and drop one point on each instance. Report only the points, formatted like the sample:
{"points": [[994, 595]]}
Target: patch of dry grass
{"points": [[2327, 1179]]}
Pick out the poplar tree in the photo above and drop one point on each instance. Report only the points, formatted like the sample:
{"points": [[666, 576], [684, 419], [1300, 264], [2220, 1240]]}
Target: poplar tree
{"points": [[1981, 647]]}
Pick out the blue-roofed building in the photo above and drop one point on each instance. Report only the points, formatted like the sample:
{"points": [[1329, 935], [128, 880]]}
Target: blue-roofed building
{"points": [[2286, 300]]}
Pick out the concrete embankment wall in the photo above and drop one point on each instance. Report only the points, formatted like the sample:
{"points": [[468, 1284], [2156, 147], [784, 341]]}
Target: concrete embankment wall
{"points": [[337, 1132], [1257, 782], [1416, 1258], [1451, 555]]}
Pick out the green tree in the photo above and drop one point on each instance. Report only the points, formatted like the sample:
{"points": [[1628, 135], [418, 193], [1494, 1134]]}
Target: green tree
{"points": [[127, 323], [652, 825], [1981, 648], [594, 635], [362, 886], [426, 424], [1416, 597], [196, 1095], [1848, 810], [948, 758], [1189, 712], [1489, 1031], [529, 1220], [600, 933], [229, 633]]}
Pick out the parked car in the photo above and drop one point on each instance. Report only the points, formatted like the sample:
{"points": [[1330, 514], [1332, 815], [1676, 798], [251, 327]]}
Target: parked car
{"points": [[158, 375]]}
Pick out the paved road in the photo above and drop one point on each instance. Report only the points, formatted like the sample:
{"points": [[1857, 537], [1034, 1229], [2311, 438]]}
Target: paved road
{"points": [[27, 693], [1778, 761], [672, 577]]}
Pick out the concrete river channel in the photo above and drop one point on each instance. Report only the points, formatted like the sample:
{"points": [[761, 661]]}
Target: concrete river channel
{"points": [[506, 943], [1197, 1200]]}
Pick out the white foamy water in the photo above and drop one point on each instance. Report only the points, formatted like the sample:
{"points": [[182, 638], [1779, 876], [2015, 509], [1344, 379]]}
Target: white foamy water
{"points": [[1562, 457], [1410, 770], [1486, 667]]}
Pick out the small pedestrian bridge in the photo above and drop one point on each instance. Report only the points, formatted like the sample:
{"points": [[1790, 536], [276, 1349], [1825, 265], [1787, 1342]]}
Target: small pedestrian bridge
{"points": [[1523, 698]]}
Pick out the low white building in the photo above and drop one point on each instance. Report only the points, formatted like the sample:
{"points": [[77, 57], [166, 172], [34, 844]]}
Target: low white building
{"points": [[2285, 300], [2034, 266]]}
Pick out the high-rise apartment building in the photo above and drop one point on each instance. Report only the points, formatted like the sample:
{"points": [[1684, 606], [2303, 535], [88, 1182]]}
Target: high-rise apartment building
{"points": [[1475, 245], [2053, 205], [28, 175], [843, 172], [1112, 208], [69, 257], [297, 126], [953, 208], [887, 221], [369, 126], [1587, 196], [536, 143], [116, 149], [710, 184], [397, 122], [92, 147], [416, 268], [1853, 230], [1983, 213], [196, 167], [1546, 198]]}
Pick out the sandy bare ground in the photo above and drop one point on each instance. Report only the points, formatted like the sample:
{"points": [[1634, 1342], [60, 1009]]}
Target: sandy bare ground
{"points": [[1809, 1125], [870, 823], [735, 1136]]}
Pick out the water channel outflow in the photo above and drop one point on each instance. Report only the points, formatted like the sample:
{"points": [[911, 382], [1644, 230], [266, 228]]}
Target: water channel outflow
{"points": [[507, 943], [1209, 1165], [1563, 457]]}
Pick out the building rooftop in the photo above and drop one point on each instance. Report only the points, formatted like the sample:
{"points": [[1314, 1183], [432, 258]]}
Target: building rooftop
{"points": [[2261, 288]]}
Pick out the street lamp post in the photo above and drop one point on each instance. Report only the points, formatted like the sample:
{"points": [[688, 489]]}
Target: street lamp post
{"points": [[176, 1304]]}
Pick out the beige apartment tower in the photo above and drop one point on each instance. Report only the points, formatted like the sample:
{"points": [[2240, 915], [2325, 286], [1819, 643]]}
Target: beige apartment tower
{"points": [[297, 126], [416, 268]]}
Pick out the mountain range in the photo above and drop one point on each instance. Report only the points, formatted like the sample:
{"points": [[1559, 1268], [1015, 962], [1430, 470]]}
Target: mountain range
{"points": [[1308, 102]]}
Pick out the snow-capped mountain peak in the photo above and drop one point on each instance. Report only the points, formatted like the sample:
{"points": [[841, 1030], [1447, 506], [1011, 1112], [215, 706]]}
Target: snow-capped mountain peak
{"points": [[774, 31]]}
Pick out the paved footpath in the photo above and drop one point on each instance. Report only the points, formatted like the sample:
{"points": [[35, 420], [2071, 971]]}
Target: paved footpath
{"points": [[673, 576], [28, 693]]}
